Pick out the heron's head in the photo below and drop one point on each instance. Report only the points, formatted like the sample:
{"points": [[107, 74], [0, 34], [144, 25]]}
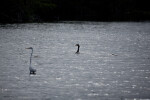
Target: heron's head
{"points": [[29, 48], [77, 45]]}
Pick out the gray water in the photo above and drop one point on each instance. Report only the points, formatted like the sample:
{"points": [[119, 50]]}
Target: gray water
{"points": [[113, 64]]}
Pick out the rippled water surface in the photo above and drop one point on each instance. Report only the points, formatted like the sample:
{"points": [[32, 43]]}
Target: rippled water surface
{"points": [[113, 64]]}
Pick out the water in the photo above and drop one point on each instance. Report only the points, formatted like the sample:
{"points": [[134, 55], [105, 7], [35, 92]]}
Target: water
{"points": [[113, 64]]}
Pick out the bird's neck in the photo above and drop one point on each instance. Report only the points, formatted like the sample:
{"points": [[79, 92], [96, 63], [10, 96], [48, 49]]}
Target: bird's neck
{"points": [[78, 49], [31, 57], [31, 52]]}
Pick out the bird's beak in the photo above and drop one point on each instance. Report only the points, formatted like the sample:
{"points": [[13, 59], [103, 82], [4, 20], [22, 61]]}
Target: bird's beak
{"points": [[28, 48]]}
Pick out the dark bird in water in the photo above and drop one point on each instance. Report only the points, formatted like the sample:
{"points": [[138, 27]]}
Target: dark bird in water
{"points": [[78, 48], [32, 70]]}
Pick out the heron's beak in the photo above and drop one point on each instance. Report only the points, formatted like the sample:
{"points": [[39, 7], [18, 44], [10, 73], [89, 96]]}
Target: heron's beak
{"points": [[28, 48]]}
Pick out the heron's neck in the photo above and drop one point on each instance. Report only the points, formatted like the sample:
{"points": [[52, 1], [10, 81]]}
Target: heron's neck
{"points": [[78, 49], [31, 52], [31, 57]]}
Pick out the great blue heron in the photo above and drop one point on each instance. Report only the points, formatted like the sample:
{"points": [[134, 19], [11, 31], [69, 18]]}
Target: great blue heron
{"points": [[78, 48], [32, 70]]}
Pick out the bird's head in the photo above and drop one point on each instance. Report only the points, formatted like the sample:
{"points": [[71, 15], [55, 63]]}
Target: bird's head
{"points": [[29, 48], [77, 45]]}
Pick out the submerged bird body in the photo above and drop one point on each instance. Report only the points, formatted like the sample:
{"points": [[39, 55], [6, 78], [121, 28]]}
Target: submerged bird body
{"points": [[32, 70], [78, 48]]}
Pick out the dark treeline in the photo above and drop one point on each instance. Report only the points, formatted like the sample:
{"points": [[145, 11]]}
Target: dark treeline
{"points": [[55, 10]]}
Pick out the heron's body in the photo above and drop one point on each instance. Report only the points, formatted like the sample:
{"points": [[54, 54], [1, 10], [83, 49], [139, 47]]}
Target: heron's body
{"points": [[32, 70]]}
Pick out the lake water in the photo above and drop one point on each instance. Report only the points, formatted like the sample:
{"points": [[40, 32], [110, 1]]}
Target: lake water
{"points": [[113, 64]]}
